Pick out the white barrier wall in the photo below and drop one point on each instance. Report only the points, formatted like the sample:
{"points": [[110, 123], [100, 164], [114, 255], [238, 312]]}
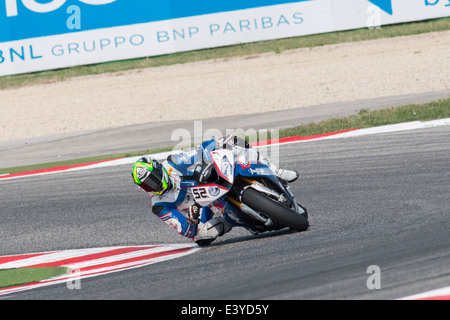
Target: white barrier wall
{"points": [[37, 36]]}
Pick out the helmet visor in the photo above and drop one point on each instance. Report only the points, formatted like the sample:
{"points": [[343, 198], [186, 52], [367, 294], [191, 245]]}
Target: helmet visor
{"points": [[154, 182]]}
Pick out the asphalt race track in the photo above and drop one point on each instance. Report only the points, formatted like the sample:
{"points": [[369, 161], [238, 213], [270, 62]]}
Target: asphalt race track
{"points": [[374, 200]]}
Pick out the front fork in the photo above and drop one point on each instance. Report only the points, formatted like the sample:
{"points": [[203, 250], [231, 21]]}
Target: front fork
{"points": [[263, 189]]}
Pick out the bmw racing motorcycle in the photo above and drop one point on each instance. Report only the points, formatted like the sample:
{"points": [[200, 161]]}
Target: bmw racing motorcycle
{"points": [[247, 194]]}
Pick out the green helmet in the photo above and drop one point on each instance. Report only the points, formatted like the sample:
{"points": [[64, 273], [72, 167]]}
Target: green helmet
{"points": [[150, 175]]}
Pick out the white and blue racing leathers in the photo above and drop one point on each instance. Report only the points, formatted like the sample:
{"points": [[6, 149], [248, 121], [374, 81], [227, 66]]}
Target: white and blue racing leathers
{"points": [[171, 206]]}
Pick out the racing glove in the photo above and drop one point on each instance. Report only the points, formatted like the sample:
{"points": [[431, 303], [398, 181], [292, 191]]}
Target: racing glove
{"points": [[193, 214]]}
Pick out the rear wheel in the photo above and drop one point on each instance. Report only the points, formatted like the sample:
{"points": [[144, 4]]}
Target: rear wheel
{"points": [[274, 210]]}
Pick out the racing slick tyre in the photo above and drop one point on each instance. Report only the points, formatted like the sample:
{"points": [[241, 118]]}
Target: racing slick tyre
{"points": [[274, 210]]}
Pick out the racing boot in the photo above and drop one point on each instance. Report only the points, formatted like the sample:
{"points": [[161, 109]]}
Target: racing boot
{"points": [[283, 174], [211, 230], [286, 175]]}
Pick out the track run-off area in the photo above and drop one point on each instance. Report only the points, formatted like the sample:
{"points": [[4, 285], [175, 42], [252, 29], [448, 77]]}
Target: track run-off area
{"points": [[378, 205]]}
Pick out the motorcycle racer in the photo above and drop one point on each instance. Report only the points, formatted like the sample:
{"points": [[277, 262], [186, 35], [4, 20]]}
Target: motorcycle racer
{"points": [[170, 198]]}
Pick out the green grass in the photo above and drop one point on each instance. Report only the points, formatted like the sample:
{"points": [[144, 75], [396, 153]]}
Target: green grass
{"points": [[439, 109], [256, 48], [20, 276]]}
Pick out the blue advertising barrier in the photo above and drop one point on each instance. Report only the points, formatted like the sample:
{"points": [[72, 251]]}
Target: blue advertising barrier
{"points": [[20, 22], [47, 34]]}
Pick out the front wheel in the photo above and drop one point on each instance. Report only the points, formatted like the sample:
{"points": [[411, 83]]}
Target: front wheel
{"points": [[274, 210]]}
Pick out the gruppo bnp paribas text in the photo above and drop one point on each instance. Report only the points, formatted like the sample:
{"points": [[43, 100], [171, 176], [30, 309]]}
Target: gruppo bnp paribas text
{"points": [[121, 41]]}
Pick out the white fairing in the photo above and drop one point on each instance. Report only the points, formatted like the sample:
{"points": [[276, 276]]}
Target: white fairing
{"points": [[206, 194], [224, 162]]}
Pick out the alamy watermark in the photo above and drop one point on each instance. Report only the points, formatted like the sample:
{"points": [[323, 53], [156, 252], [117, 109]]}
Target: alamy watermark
{"points": [[374, 280], [373, 17], [267, 140], [73, 281]]}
